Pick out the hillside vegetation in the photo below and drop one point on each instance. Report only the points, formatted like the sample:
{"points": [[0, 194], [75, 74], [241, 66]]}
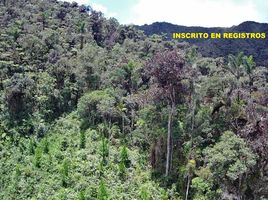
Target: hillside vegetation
{"points": [[91, 109], [214, 47]]}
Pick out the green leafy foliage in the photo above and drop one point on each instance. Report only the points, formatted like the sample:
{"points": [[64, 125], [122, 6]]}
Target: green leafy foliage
{"points": [[230, 157], [81, 196], [91, 109], [65, 173], [38, 157], [124, 156], [90, 106], [82, 140], [104, 150], [102, 192]]}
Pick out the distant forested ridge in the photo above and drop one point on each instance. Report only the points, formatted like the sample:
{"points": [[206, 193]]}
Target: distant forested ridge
{"points": [[258, 48], [92, 109]]}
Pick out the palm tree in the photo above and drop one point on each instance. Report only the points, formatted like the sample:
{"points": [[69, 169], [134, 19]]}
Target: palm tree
{"points": [[235, 67], [249, 66]]}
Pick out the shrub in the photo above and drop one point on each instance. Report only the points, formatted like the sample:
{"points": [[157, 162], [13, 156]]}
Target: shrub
{"points": [[65, 173], [38, 156], [81, 196], [102, 192], [45, 145]]}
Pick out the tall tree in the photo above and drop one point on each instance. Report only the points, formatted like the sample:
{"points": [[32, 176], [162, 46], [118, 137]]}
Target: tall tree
{"points": [[166, 69], [249, 66], [230, 160], [235, 67]]}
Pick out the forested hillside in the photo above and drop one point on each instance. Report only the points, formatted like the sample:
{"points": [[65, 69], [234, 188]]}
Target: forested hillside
{"points": [[214, 47], [91, 109]]}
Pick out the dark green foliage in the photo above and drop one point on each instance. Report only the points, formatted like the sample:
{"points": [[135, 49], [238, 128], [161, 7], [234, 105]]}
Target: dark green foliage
{"points": [[18, 96], [104, 150], [38, 157], [17, 172], [211, 47], [81, 196], [89, 106], [65, 173], [82, 140], [32, 146], [124, 156], [91, 109], [96, 23], [122, 169], [45, 145], [82, 31], [124, 162]]}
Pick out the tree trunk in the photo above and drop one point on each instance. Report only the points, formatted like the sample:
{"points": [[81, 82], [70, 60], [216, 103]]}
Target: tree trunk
{"points": [[251, 81], [110, 128], [81, 41], [238, 88], [1, 84], [169, 140], [188, 187], [170, 133], [240, 188], [168, 143], [132, 118], [123, 126], [193, 104]]}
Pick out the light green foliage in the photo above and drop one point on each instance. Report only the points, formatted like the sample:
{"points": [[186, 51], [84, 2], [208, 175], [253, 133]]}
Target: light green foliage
{"points": [[235, 66], [204, 186], [207, 194], [90, 106], [81, 196], [62, 195], [124, 161], [45, 98], [148, 126], [64, 172], [124, 155], [122, 169], [65, 168], [83, 118], [249, 64], [32, 146], [104, 149], [144, 194], [230, 157], [102, 192], [200, 184], [192, 55], [237, 109], [38, 157], [15, 31], [45, 145]]}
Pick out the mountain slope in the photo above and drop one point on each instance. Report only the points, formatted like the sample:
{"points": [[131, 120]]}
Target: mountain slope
{"points": [[223, 47], [91, 109]]}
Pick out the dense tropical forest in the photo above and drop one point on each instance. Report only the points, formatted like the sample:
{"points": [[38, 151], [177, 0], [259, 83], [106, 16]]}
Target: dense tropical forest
{"points": [[92, 109]]}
